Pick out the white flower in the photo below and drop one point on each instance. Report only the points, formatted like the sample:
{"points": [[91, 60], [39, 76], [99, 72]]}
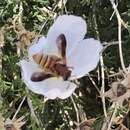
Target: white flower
{"points": [[82, 55]]}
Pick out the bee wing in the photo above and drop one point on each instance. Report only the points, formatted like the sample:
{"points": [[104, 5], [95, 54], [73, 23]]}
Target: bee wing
{"points": [[61, 44], [40, 76]]}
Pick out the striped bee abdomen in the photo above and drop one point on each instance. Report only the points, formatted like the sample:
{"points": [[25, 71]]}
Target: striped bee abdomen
{"points": [[46, 62], [40, 59]]}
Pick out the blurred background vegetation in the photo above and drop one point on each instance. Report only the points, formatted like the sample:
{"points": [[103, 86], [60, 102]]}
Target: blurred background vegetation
{"points": [[28, 16]]}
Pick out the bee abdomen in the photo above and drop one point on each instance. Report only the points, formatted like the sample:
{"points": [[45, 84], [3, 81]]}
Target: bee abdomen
{"points": [[43, 61], [40, 59], [46, 62], [37, 58]]}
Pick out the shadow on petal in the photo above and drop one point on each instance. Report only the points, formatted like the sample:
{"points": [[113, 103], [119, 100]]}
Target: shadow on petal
{"points": [[38, 46]]}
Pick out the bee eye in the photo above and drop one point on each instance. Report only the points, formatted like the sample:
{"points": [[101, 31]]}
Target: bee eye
{"points": [[39, 76]]}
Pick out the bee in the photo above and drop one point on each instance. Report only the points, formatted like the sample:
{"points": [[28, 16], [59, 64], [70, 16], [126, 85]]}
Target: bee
{"points": [[52, 66]]}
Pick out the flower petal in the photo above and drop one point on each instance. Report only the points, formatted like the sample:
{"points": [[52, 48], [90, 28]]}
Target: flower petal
{"points": [[51, 87], [58, 88], [84, 57], [73, 27], [38, 46]]}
